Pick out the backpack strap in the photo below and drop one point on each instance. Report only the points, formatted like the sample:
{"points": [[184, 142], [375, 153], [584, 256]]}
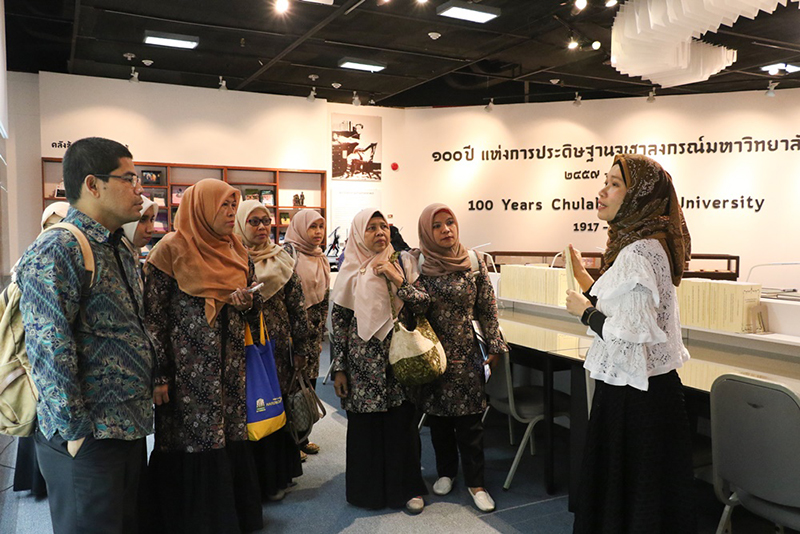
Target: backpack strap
{"points": [[473, 261], [86, 251]]}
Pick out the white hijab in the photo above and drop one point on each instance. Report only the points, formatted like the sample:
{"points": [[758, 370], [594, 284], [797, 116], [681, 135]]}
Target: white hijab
{"points": [[130, 228]]}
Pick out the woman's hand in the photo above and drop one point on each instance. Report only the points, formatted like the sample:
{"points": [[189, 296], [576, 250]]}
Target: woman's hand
{"points": [[492, 360], [161, 394], [583, 277], [577, 303], [389, 270], [340, 384], [242, 299]]}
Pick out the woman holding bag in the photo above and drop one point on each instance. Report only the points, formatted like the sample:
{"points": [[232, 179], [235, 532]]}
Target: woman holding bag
{"points": [[303, 242], [383, 466], [196, 305], [277, 456], [452, 295]]}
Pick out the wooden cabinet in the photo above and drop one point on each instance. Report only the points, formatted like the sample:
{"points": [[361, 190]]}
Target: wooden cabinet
{"points": [[280, 190]]}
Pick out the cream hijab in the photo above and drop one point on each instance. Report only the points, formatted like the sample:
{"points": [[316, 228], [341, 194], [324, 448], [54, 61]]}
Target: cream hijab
{"points": [[358, 288], [130, 228], [56, 210], [204, 263], [311, 266], [274, 266]]}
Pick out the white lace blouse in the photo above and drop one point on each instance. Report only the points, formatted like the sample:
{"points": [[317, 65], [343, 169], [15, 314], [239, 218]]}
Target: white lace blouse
{"points": [[642, 331]]}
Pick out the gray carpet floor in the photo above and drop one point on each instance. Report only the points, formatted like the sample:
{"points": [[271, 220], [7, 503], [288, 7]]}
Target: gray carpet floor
{"points": [[316, 505]]}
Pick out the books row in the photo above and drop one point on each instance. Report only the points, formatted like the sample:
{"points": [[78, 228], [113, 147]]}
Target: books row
{"points": [[534, 283], [720, 305]]}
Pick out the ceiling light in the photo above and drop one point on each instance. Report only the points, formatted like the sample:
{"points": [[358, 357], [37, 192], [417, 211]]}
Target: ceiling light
{"points": [[651, 96], [372, 99], [360, 64], [172, 40], [312, 95], [572, 44], [611, 3], [771, 88], [422, 1], [577, 101], [281, 6], [147, 62], [134, 76], [356, 100], [458, 9], [434, 35], [776, 68], [554, 81], [596, 45], [325, 2], [490, 106], [580, 4], [129, 55], [223, 85], [336, 85]]}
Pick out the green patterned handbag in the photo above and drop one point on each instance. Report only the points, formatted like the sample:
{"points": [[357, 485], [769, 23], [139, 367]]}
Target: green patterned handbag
{"points": [[416, 356]]}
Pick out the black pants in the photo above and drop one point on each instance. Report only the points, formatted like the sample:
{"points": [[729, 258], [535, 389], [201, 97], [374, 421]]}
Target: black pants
{"points": [[464, 434], [97, 491]]}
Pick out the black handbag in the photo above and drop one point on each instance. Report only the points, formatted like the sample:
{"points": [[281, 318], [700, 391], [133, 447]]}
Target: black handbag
{"points": [[303, 407]]}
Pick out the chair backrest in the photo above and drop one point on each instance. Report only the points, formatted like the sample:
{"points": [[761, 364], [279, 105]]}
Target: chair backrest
{"points": [[501, 385], [755, 433]]}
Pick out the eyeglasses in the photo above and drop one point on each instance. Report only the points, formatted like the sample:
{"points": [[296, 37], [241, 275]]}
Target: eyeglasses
{"points": [[132, 179], [255, 223]]}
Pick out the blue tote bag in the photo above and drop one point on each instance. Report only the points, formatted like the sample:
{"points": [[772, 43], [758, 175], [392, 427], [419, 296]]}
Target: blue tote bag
{"points": [[265, 413]]}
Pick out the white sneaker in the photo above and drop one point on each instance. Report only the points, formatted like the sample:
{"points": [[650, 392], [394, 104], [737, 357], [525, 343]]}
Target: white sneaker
{"points": [[482, 500], [415, 505], [443, 486]]}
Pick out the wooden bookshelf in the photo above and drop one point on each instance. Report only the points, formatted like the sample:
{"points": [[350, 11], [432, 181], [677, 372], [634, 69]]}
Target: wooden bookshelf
{"points": [[274, 187]]}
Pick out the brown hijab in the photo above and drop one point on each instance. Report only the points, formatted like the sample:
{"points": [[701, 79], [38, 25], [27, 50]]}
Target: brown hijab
{"points": [[312, 266], [650, 210], [438, 260], [204, 263]]}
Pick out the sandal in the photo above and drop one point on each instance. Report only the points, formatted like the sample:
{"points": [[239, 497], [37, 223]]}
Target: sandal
{"points": [[310, 448]]}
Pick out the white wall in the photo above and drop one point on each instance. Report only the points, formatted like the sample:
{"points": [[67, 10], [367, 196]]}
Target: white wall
{"points": [[192, 125]]}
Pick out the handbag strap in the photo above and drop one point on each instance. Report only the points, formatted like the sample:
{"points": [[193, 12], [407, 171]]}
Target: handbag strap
{"points": [[263, 334], [395, 260]]}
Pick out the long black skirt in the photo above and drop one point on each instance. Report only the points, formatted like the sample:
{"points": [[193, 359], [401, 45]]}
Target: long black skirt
{"points": [[277, 460], [383, 458], [209, 492], [637, 468], [27, 475]]}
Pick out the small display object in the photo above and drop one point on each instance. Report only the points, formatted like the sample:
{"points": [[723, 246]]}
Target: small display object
{"points": [[177, 194], [160, 224], [285, 218], [151, 177], [158, 196], [252, 194], [267, 198], [299, 200], [59, 191]]}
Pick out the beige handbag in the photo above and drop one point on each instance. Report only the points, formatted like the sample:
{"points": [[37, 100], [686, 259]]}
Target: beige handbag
{"points": [[416, 356]]}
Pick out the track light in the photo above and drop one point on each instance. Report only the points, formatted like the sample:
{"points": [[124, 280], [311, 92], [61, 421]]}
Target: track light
{"points": [[577, 101], [356, 100], [312, 95], [580, 4], [611, 3], [134, 76], [490, 106], [573, 43], [651, 96], [223, 85], [596, 45], [771, 88], [281, 6]]}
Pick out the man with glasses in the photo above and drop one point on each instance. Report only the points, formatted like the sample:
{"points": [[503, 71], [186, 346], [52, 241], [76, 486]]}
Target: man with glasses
{"points": [[91, 358]]}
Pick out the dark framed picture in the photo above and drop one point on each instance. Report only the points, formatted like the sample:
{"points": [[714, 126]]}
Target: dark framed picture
{"points": [[151, 177], [177, 194]]}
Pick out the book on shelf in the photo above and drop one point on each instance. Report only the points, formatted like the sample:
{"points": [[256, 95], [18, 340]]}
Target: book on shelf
{"points": [[267, 197], [158, 196], [252, 194], [177, 193]]}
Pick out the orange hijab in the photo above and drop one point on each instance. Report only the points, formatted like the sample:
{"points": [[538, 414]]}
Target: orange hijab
{"points": [[438, 260], [312, 266], [204, 263]]}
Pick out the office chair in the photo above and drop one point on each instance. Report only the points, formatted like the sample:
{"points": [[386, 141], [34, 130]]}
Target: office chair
{"points": [[755, 432]]}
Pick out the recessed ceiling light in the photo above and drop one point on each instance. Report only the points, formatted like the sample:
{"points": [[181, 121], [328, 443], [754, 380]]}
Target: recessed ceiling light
{"points": [[458, 9], [360, 64], [434, 35], [173, 40]]}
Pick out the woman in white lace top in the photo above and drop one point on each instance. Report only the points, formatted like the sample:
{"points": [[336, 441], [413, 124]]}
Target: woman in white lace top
{"points": [[637, 469]]}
